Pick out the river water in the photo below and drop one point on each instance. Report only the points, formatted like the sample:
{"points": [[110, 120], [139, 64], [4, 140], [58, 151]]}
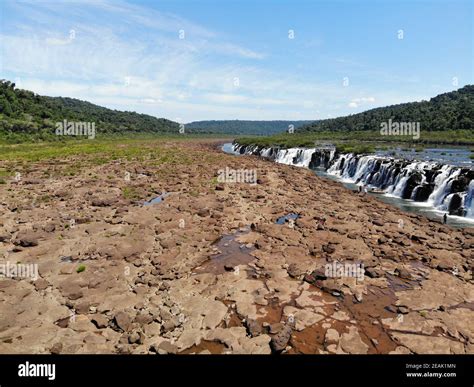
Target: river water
{"points": [[376, 172]]}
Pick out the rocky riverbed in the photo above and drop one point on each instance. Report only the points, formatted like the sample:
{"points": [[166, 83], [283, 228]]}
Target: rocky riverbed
{"points": [[207, 269]]}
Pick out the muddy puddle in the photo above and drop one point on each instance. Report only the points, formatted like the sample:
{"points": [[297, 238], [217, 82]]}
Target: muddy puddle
{"points": [[157, 199], [287, 218], [377, 304], [232, 253], [367, 314]]}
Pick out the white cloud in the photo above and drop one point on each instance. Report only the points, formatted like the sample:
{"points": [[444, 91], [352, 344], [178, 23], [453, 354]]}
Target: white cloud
{"points": [[155, 72], [356, 102]]}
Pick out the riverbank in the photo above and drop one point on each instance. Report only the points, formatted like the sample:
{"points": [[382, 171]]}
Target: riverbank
{"points": [[209, 270], [355, 138], [433, 181]]}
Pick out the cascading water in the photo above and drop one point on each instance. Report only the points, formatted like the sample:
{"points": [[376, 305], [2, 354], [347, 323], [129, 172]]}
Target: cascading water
{"points": [[469, 200], [444, 187]]}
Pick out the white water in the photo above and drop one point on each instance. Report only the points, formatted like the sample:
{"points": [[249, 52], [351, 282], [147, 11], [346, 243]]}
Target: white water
{"points": [[386, 174], [469, 200], [442, 183]]}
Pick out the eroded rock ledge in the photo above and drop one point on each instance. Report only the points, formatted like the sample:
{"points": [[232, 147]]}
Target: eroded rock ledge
{"points": [[147, 287]]}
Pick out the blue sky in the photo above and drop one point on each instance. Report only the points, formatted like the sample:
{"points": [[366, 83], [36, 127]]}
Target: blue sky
{"points": [[194, 59]]}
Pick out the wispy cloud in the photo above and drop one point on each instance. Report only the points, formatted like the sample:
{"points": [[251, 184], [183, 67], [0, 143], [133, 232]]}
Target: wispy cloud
{"points": [[356, 102], [132, 57]]}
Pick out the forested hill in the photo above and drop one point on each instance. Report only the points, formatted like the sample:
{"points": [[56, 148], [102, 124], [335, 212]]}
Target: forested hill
{"points": [[243, 127], [448, 111], [26, 115]]}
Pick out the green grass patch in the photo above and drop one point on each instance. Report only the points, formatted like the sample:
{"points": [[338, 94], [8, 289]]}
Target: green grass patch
{"points": [[130, 193], [310, 139], [355, 148]]}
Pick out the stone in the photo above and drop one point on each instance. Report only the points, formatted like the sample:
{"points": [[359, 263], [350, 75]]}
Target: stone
{"points": [[329, 249], [279, 342], [275, 328], [253, 327], [351, 342], [170, 324], [331, 337], [301, 318], [71, 290], [56, 348], [215, 313], [373, 272], [144, 318], [164, 348], [296, 271], [428, 344], [378, 222], [102, 202], [100, 321], [50, 227], [136, 337], [123, 321], [26, 239], [41, 284], [403, 273], [403, 310]]}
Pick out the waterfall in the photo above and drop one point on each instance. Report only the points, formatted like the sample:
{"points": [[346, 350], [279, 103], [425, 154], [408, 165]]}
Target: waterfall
{"points": [[398, 188], [442, 182], [444, 187], [287, 156], [469, 200]]}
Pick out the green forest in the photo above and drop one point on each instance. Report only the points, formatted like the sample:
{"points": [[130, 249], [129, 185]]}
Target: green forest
{"points": [[445, 119], [26, 116], [448, 111], [244, 126]]}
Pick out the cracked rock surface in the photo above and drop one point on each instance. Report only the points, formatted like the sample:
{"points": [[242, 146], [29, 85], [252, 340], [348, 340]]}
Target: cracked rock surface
{"points": [[208, 270]]}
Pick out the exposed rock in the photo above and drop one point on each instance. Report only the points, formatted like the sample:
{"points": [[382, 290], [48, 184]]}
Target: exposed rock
{"points": [[215, 312], [41, 284], [429, 344], [351, 342], [71, 290], [331, 337], [100, 321], [403, 273], [98, 202], [164, 348], [329, 249], [136, 337], [280, 340], [254, 327], [26, 239], [123, 321]]}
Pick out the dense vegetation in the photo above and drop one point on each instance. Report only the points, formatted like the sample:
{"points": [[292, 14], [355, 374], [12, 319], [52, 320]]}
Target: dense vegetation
{"points": [[448, 111], [309, 139], [445, 119], [240, 127], [25, 115]]}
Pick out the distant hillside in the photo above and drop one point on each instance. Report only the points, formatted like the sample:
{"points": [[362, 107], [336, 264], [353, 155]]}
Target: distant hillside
{"points": [[26, 115], [243, 127], [448, 111]]}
